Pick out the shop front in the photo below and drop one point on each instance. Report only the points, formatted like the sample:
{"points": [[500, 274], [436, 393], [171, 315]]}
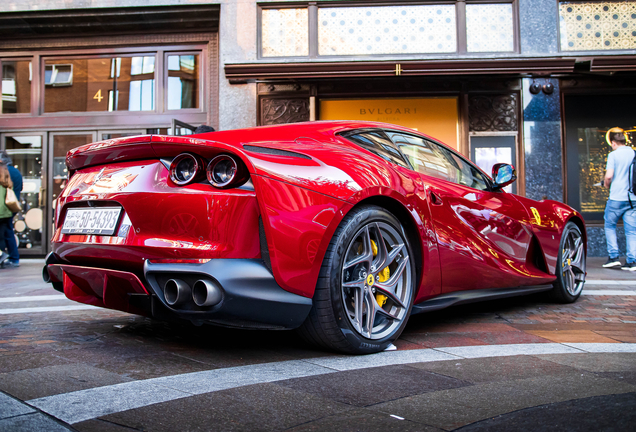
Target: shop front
{"points": [[60, 93]]}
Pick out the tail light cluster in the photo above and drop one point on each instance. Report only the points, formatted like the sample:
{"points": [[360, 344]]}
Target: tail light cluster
{"points": [[223, 171]]}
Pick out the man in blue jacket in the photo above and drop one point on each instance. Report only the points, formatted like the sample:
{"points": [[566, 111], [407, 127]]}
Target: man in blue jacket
{"points": [[12, 246], [621, 200]]}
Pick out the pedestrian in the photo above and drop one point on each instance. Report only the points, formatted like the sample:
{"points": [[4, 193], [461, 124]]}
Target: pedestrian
{"points": [[621, 202], [12, 245], [5, 213]]}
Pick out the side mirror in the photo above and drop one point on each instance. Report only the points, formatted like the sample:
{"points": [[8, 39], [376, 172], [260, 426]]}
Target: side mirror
{"points": [[503, 175]]}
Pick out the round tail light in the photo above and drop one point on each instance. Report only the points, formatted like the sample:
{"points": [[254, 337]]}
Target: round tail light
{"points": [[222, 171], [184, 169]]}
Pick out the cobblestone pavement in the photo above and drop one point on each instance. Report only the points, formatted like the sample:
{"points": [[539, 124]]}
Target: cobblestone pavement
{"points": [[513, 364]]}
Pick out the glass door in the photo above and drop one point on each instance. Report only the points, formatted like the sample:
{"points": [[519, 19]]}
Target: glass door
{"points": [[59, 144], [27, 154]]}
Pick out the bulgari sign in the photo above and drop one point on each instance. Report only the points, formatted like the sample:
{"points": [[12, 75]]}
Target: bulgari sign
{"points": [[437, 117], [387, 111]]}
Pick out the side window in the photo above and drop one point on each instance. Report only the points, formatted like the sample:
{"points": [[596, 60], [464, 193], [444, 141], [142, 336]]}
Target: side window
{"points": [[465, 173], [422, 156], [437, 161], [378, 143]]}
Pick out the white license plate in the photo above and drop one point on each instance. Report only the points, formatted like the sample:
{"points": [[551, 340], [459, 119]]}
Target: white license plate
{"points": [[94, 220]]}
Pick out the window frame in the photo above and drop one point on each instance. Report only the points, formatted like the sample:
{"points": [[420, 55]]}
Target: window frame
{"points": [[32, 101], [104, 119], [347, 134], [489, 182], [203, 72], [87, 56], [312, 9], [587, 52]]}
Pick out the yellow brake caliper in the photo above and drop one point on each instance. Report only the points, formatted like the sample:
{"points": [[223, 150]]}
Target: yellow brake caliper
{"points": [[383, 276]]}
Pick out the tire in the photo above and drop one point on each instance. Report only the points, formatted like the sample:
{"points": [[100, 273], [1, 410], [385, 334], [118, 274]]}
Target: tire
{"points": [[570, 268], [339, 319]]}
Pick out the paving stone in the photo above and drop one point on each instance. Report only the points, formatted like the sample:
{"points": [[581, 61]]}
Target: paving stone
{"points": [[37, 422], [435, 340], [374, 385], [362, 420], [449, 409], [262, 407], [387, 358], [611, 413], [625, 376], [495, 368], [137, 364], [16, 362], [593, 362], [11, 407], [572, 336], [509, 350], [446, 328], [100, 425], [50, 380]]}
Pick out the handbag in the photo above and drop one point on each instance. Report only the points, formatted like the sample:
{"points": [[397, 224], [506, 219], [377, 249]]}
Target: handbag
{"points": [[11, 201]]}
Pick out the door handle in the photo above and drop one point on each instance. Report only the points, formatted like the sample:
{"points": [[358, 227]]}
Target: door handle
{"points": [[435, 199]]}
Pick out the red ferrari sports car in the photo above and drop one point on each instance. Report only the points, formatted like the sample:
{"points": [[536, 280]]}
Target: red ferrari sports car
{"points": [[339, 229]]}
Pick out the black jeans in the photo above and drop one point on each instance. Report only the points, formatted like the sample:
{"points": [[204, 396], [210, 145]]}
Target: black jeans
{"points": [[5, 225]]}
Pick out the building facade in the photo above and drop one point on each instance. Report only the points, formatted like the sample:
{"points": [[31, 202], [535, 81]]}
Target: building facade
{"points": [[536, 83]]}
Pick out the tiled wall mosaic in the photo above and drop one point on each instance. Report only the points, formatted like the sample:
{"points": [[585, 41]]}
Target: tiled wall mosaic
{"points": [[387, 30], [598, 25], [489, 27], [285, 32]]}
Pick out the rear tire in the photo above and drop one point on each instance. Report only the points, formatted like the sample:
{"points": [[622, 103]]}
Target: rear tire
{"points": [[359, 306], [570, 269]]}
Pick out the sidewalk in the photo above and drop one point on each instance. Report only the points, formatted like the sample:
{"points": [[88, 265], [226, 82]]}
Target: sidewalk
{"points": [[495, 359], [596, 272]]}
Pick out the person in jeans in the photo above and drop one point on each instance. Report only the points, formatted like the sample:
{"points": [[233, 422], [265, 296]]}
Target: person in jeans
{"points": [[621, 203], [12, 245], [5, 213]]}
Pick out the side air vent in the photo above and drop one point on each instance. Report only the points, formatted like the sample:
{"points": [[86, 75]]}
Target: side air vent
{"points": [[274, 152], [264, 248]]}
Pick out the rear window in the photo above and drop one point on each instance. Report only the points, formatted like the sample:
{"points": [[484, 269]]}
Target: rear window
{"points": [[379, 144]]}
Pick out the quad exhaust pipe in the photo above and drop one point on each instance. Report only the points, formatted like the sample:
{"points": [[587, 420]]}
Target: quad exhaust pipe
{"points": [[204, 293], [176, 292]]}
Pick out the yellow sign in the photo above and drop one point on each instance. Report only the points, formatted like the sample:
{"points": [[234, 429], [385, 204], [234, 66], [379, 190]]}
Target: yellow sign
{"points": [[436, 117]]}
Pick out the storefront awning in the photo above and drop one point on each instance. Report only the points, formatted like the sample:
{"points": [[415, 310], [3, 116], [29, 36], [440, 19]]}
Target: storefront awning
{"points": [[109, 21], [613, 64], [259, 71]]}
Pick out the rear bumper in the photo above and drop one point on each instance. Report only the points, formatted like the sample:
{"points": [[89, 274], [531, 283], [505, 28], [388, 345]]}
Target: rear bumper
{"points": [[251, 298]]}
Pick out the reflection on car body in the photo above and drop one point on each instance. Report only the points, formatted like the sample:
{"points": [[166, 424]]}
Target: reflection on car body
{"points": [[341, 230]]}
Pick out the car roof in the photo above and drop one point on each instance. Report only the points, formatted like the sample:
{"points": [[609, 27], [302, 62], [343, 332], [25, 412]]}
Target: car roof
{"points": [[292, 131]]}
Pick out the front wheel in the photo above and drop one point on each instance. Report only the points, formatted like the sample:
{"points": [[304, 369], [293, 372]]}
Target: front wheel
{"points": [[366, 285], [570, 271]]}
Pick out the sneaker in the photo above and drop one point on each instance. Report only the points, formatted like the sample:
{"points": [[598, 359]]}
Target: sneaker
{"points": [[629, 266], [3, 257], [10, 263], [612, 262]]}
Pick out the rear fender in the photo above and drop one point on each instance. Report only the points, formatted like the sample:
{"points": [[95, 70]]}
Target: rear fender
{"points": [[548, 219], [298, 225]]}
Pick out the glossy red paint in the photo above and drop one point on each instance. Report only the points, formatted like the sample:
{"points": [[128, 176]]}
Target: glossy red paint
{"points": [[306, 178], [159, 220], [299, 224]]}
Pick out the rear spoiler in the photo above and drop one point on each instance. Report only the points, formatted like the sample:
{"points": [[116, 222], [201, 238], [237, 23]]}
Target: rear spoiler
{"points": [[143, 147]]}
